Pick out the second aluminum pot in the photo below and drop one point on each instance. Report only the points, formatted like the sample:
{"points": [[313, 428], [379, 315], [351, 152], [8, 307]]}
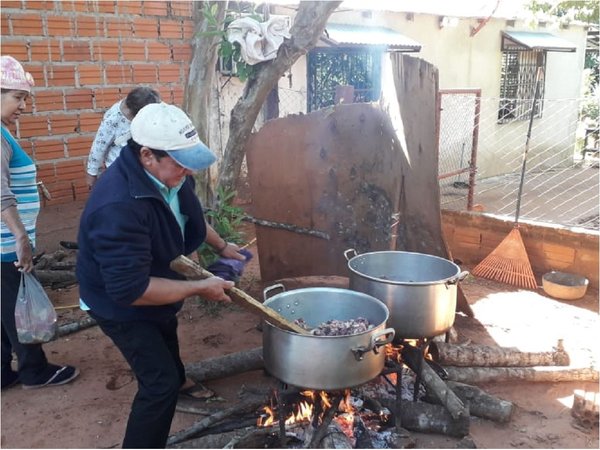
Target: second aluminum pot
{"points": [[325, 362], [418, 289]]}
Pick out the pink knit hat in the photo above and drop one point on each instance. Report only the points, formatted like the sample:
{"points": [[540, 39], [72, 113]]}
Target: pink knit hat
{"points": [[13, 76]]}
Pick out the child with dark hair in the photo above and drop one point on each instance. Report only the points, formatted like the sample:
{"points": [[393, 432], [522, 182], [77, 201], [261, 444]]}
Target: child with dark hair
{"points": [[113, 132]]}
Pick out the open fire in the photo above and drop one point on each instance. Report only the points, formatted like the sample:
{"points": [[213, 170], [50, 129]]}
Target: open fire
{"points": [[358, 415], [410, 393]]}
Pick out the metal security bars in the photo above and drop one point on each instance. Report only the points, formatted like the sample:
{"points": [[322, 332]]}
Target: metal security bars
{"points": [[341, 66], [517, 84]]}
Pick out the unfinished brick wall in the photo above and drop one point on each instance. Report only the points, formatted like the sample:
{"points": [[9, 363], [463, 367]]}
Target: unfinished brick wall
{"points": [[84, 56], [472, 237]]}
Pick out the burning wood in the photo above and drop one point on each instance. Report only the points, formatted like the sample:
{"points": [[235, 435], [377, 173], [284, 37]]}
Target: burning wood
{"points": [[375, 414]]}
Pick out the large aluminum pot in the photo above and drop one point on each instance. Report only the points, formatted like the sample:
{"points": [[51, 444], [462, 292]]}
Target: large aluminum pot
{"points": [[418, 289], [325, 362]]}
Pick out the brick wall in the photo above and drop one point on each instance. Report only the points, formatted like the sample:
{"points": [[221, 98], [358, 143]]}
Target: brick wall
{"points": [[84, 56], [472, 237]]}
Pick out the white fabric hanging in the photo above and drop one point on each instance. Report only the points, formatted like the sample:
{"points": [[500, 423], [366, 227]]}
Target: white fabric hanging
{"points": [[259, 41]]}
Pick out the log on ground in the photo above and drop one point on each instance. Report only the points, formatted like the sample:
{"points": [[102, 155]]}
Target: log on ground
{"points": [[427, 418], [493, 356], [206, 422], [56, 277], [212, 440], [44, 261], [72, 327], [475, 375], [224, 366], [436, 385], [480, 403]]}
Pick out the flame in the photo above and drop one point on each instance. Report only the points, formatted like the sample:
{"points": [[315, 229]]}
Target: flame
{"points": [[325, 400], [303, 412]]}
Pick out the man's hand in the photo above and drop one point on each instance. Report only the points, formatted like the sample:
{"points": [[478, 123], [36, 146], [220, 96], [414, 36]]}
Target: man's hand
{"points": [[232, 251], [214, 288]]}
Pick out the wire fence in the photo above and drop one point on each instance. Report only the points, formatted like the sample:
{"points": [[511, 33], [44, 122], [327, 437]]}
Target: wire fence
{"points": [[480, 158], [561, 179], [292, 101]]}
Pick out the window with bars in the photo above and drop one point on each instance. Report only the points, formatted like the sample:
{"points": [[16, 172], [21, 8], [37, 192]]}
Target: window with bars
{"points": [[343, 66], [517, 85]]}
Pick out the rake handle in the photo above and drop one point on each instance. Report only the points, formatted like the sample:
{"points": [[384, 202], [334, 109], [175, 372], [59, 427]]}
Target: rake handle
{"points": [[538, 77]]}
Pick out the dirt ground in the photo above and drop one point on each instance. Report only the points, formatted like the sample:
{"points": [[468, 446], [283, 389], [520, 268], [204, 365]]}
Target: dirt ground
{"points": [[92, 411]]}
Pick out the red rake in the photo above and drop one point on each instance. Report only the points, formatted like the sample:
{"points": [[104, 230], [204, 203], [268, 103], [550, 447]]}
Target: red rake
{"points": [[509, 263]]}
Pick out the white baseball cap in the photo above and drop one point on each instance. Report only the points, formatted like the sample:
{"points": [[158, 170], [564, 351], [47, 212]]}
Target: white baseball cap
{"points": [[160, 126]]}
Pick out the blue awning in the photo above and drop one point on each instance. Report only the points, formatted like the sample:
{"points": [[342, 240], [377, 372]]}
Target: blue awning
{"points": [[532, 40], [344, 34]]}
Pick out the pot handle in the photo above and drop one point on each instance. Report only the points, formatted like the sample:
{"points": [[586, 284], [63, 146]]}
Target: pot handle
{"points": [[461, 276], [388, 336], [272, 288], [347, 252]]}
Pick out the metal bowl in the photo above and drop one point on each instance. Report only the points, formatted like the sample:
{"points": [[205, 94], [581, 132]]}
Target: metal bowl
{"points": [[564, 286]]}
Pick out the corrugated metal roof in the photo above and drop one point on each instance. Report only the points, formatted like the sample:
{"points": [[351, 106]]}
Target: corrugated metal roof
{"points": [[508, 9], [362, 35], [531, 40]]}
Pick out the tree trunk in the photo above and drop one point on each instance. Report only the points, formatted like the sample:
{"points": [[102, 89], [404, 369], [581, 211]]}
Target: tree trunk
{"points": [[200, 84], [474, 375], [224, 366], [488, 356], [308, 26]]}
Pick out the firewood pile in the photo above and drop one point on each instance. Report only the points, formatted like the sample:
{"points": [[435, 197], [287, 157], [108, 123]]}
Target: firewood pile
{"points": [[56, 270], [383, 412]]}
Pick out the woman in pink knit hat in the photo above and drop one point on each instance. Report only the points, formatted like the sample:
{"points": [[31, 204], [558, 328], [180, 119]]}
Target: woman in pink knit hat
{"points": [[20, 205]]}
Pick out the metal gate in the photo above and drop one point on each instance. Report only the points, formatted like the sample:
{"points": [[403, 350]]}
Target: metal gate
{"points": [[458, 138]]}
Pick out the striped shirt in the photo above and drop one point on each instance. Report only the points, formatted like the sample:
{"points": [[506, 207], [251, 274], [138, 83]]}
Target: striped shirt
{"points": [[22, 185]]}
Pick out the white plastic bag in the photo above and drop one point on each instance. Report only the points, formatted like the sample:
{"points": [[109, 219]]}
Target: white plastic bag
{"points": [[35, 316]]}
